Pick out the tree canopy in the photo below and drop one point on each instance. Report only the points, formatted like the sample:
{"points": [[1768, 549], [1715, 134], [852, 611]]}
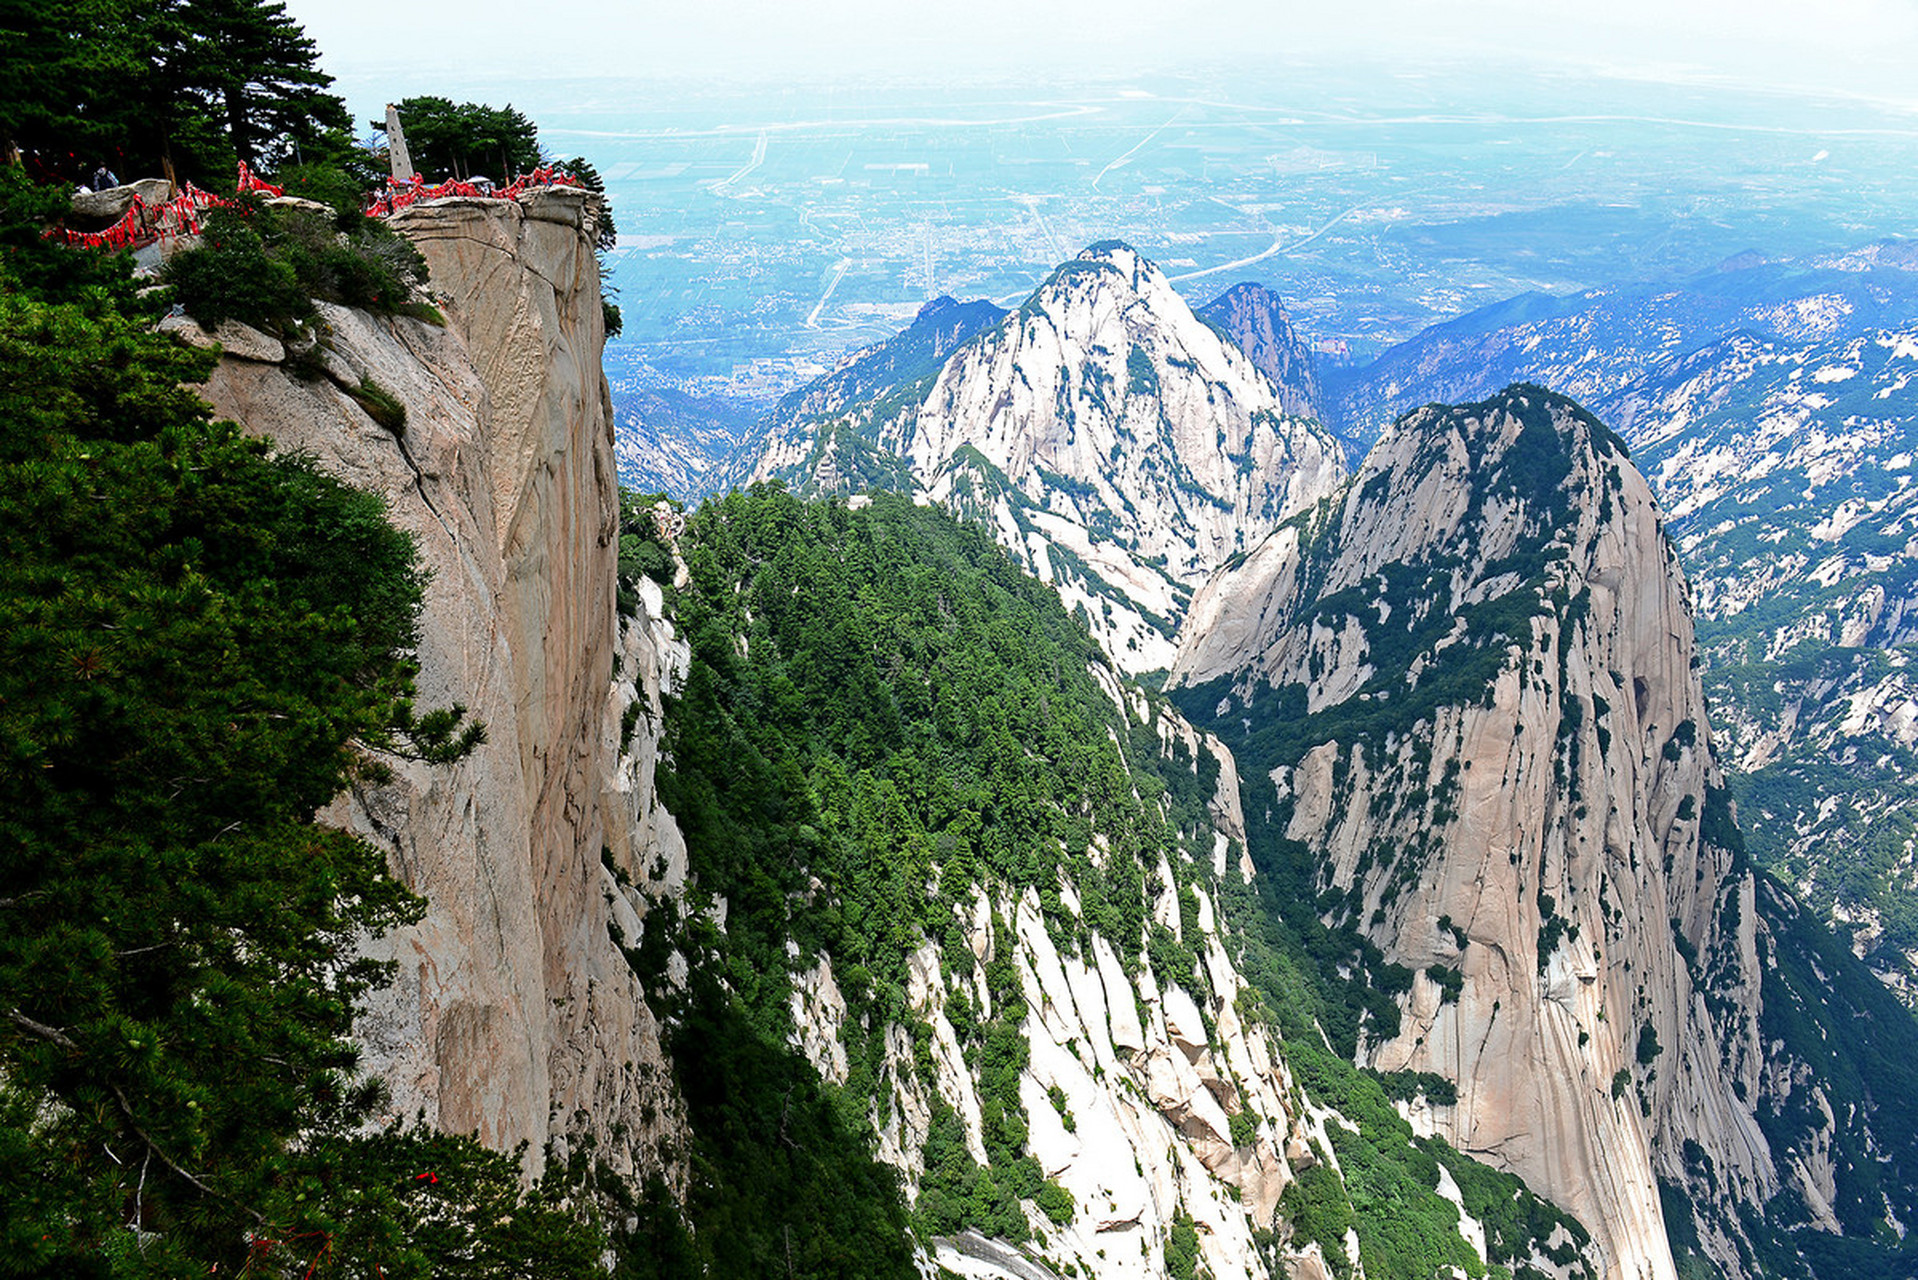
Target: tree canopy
{"points": [[448, 139], [141, 84]]}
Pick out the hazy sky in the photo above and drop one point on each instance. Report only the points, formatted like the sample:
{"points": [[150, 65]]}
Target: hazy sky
{"points": [[1865, 46]]}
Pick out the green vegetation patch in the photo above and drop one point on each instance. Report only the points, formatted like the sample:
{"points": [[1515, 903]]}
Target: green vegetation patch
{"points": [[882, 716]]}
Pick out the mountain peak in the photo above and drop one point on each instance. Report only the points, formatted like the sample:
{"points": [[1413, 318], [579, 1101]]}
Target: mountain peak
{"points": [[1471, 681], [1138, 444], [1117, 252], [1253, 317]]}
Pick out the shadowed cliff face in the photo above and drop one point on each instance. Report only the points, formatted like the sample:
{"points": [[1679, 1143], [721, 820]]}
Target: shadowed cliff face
{"points": [[1470, 682], [514, 1014], [1252, 316]]}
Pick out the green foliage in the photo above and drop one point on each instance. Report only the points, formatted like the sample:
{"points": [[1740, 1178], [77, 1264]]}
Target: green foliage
{"points": [[45, 269], [232, 276], [192, 83], [424, 1205], [445, 139], [643, 551], [1318, 1211], [1517, 1223], [1056, 1203], [1648, 1046], [956, 1194], [1812, 983], [882, 715], [1404, 1086], [784, 1178], [380, 404], [1182, 1249], [263, 266], [1142, 379]]}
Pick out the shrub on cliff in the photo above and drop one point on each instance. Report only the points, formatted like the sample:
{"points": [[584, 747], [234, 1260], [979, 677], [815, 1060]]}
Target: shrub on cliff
{"points": [[263, 266]]}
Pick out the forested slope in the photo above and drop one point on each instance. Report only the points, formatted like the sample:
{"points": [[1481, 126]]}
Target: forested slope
{"points": [[958, 913]]}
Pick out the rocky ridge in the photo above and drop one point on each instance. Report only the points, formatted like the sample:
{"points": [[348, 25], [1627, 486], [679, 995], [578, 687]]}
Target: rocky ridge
{"points": [[823, 438], [1464, 694], [1058, 1040], [1786, 470], [666, 441], [1594, 344]]}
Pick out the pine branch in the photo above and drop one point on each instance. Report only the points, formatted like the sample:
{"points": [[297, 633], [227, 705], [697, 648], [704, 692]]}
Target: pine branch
{"points": [[53, 1035]]}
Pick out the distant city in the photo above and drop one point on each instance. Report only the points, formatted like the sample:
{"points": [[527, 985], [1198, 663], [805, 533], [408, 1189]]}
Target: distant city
{"points": [[767, 231]]}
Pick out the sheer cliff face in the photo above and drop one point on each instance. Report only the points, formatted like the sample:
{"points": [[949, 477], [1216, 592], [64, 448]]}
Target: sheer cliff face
{"points": [[1253, 317], [514, 1016], [1472, 684]]}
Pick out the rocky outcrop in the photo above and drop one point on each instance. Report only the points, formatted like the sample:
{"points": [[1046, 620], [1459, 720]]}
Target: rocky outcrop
{"points": [[1768, 405], [515, 1016], [1254, 318], [1474, 689]]}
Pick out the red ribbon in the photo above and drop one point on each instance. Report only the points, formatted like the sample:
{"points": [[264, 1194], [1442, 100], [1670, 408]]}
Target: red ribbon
{"points": [[143, 223]]}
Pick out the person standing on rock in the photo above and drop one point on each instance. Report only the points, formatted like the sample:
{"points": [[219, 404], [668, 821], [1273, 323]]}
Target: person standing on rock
{"points": [[103, 178]]}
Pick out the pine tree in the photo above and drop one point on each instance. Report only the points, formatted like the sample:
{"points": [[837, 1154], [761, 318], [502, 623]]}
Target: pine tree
{"points": [[190, 85], [459, 140], [256, 73]]}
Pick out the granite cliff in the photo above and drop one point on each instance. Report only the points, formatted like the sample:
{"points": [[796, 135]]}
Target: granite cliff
{"points": [[1465, 695], [514, 1016]]}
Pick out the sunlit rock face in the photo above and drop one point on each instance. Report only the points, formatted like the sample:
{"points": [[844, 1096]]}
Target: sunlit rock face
{"points": [[514, 1015], [1502, 765], [1117, 444]]}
